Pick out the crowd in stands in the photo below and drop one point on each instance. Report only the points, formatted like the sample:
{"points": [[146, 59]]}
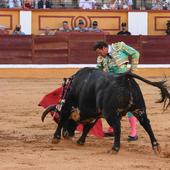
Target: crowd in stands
{"points": [[26, 4], [66, 28], [79, 28], [88, 4], [10, 4]]}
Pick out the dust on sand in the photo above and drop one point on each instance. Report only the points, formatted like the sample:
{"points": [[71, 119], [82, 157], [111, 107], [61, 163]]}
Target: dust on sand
{"points": [[25, 142]]}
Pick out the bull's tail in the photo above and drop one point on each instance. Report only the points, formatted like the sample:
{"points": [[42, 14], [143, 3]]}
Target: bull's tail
{"points": [[165, 95]]}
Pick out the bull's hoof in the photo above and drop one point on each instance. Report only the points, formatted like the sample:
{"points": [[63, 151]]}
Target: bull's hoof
{"points": [[157, 149], [113, 150], [66, 134], [55, 141], [79, 142]]}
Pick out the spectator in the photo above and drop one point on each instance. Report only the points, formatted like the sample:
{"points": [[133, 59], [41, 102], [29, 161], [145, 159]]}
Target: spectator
{"points": [[17, 30], [94, 27], [48, 31], [106, 6], [165, 4], [27, 4], [35, 4], [44, 4], [130, 4], [113, 5], [47, 4], [118, 4], [3, 4], [40, 4], [134, 4], [127, 4], [81, 27], [18, 3], [168, 28], [123, 30], [87, 4], [65, 27], [121, 4], [11, 3]]}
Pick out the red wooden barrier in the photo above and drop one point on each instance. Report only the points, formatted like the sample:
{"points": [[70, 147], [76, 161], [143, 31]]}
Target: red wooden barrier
{"points": [[51, 49], [155, 49], [15, 49], [81, 47], [76, 48]]}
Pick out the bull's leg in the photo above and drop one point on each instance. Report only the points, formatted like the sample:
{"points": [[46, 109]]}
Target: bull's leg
{"points": [[63, 118], [144, 121], [69, 128], [114, 121], [86, 129], [57, 134]]}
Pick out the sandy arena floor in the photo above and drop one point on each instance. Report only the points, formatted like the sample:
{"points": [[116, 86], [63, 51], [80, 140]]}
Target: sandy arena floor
{"points": [[25, 142]]}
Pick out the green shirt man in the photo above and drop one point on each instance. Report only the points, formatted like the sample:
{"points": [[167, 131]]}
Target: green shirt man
{"points": [[116, 60]]}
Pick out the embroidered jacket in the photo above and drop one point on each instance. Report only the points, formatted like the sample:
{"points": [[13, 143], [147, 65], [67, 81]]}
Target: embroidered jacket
{"points": [[117, 60]]}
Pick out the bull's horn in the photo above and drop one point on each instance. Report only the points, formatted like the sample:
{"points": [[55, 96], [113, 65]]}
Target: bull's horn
{"points": [[47, 110]]}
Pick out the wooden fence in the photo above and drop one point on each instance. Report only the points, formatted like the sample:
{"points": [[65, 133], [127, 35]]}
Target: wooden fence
{"points": [[76, 48]]}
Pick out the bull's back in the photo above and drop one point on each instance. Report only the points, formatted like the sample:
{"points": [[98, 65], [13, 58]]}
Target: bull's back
{"points": [[85, 86]]}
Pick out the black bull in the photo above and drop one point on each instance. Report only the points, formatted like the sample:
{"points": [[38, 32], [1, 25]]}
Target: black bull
{"points": [[98, 94]]}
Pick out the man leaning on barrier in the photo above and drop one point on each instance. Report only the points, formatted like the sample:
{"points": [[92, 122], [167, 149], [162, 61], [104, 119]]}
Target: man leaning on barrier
{"points": [[81, 27], [65, 27], [17, 30], [94, 27]]}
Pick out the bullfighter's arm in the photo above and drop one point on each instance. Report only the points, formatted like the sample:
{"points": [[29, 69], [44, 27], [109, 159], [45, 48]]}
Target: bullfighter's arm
{"points": [[129, 51], [134, 54], [100, 63]]}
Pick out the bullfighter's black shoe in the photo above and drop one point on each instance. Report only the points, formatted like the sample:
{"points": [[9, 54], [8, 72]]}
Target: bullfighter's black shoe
{"points": [[131, 138]]}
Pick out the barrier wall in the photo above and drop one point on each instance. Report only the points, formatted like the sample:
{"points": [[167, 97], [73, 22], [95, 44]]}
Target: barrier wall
{"points": [[51, 49], [16, 49], [76, 48], [153, 49], [81, 47]]}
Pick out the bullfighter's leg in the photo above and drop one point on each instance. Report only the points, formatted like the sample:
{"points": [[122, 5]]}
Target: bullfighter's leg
{"points": [[145, 122], [86, 129], [114, 121], [133, 126]]}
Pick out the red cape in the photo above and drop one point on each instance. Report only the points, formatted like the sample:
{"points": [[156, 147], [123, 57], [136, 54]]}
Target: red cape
{"points": [[54, 97]]}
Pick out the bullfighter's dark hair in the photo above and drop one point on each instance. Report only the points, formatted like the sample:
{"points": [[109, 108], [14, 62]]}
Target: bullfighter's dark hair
{"points": [[100, 45]]}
